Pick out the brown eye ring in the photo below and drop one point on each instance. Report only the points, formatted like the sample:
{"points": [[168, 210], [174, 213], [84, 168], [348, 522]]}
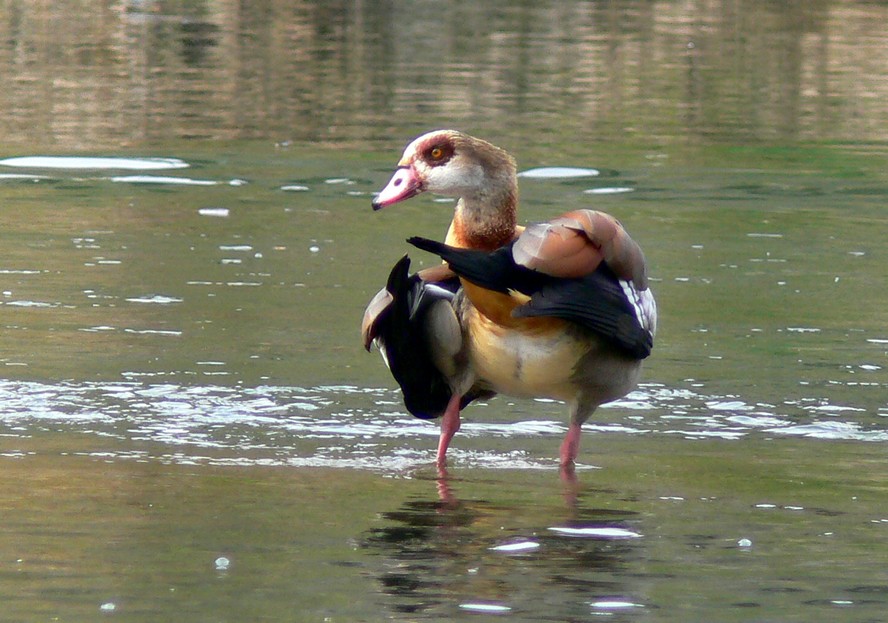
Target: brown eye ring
{"points": [[438, 153]]}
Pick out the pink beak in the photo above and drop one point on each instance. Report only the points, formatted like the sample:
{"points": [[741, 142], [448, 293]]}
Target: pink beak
{"points": [[403, 185]]}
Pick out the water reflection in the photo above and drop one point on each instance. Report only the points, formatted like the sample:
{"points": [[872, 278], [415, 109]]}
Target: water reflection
{"points": [[485, 556], [149, 70]]}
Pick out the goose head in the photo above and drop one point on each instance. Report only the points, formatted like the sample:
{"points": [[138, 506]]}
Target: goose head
{"points": [[452, 164]]}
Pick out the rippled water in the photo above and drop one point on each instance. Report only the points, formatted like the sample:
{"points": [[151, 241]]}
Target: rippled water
{"points": [[170, 347], [190, 430], [365, 428]]}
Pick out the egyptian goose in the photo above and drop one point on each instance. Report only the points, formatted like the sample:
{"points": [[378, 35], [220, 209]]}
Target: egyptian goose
{"points": [[559, 309]]}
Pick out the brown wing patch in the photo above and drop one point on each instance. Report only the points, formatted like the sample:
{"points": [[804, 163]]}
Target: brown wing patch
{"points": [[575, 243], [556, 249]]}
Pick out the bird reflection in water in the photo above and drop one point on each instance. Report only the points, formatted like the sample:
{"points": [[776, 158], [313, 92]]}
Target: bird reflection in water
{"points": [[449, 552]]}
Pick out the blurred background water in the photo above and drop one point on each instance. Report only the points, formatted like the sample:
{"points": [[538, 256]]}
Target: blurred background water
{"points": [[188, 247]]}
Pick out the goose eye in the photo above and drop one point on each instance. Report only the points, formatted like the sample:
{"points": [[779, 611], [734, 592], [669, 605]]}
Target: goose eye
{"points": [[437, 155]]}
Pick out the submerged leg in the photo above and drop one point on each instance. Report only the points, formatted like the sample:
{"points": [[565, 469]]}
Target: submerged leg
{"points": [[570, 447], [449, 426]]}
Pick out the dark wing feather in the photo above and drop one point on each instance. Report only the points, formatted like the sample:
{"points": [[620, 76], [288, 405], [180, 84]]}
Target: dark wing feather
{"points": [[400, 335], [494, 270], [488, 270], [597, 302]]}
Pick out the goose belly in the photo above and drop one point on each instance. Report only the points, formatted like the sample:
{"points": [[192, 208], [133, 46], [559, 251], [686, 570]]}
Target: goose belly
{"points": [[536, 364]]}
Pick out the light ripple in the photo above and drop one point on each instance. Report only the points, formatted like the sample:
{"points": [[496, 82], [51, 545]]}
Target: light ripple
{"points": [[364, 427]]}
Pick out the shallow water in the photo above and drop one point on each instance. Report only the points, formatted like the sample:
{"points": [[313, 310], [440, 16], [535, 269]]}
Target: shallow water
{"points": [[181, 378]]}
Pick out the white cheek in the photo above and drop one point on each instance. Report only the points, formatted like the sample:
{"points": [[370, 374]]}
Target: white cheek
{"points": [[454, 179]]}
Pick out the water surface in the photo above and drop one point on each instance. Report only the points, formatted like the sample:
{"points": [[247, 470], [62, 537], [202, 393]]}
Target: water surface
{"points": [[188, 247]]}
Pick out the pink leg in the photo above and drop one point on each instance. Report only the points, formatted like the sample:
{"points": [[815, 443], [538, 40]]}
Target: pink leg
{"points": [[571, 490], [449, 426], [570, 447]]}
